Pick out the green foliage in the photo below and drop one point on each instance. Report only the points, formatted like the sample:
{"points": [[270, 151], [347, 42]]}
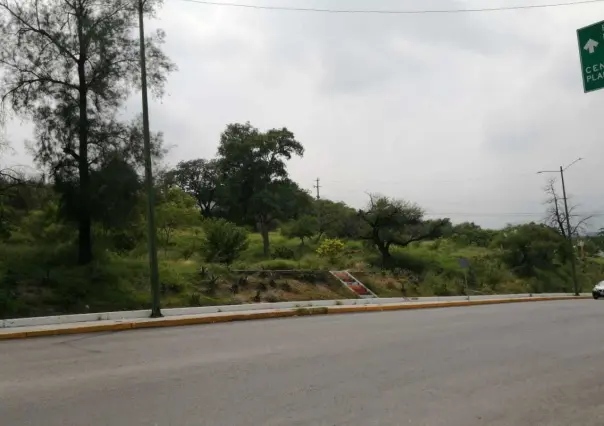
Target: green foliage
{"points": [[277, 265], [466, 234], [283, 252], [257, 187], [175, 212], [303, 228], [336, 220], [331, 248], [201, 180], [45, 225], [531, 247], [74, 98], [391, 222], [223, 241], [7, 214]]}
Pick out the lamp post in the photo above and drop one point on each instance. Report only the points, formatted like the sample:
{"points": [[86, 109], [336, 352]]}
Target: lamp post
{"points": [[152, 237]]}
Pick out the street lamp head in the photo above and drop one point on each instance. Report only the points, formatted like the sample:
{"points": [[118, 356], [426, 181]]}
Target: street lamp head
{"points": [[576, 161]]}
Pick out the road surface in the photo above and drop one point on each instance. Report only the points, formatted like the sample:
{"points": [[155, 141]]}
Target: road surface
{"points": [[521, 364]]}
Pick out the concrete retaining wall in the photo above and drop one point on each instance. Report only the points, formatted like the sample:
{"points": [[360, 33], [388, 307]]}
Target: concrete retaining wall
{"points": [[130, 315]]}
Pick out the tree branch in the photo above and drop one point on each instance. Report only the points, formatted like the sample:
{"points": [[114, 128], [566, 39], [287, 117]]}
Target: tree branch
{"points": [[38, 30]]}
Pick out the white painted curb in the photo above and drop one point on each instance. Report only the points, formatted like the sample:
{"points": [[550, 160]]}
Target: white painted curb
{"points": [[130, 315]]}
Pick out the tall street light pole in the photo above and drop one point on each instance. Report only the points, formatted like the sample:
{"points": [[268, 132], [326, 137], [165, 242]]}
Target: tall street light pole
{"points": [[152, 237], [568, 228]]}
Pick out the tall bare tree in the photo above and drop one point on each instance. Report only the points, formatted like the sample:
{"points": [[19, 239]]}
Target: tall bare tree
{"points": [[71, 64], [556, 213]]}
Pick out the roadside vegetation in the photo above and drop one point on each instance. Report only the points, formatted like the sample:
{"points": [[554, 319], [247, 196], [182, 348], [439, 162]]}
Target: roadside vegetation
{"points": [[231, 229]]}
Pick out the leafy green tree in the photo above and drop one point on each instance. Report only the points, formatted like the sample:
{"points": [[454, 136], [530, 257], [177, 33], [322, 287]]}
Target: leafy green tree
{"points": [[114, 173], [336, 220], [45, 226], [223, 241], [68, 66], [8, 183], [279, 200], [390, 222], [176, 211], [468, 233], [303, 228], [6, 220], [531, 247], [201, 179], [258, 189]]}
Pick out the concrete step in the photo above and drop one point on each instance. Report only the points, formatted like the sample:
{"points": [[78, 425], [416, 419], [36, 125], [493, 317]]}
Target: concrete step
{"points": [[354, 285]]}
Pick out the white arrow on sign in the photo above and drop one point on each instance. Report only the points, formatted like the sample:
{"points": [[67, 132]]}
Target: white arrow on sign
{"points": [[591, 45]]}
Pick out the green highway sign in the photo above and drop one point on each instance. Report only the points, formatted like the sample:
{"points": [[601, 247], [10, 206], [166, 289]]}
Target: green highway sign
{"points": [[591, 51]]}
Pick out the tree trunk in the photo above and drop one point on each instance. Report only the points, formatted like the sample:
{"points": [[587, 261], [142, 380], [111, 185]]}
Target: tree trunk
{"points": [[266, 245], [84, 219], [386, 256], [84, 213], [384, 248]]}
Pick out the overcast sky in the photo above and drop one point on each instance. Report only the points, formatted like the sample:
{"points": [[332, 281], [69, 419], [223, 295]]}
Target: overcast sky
{"points": [[456, 112]]}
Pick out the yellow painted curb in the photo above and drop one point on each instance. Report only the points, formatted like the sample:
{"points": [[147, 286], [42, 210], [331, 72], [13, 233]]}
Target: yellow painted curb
{"points": [[14, 335], [178, 322], [412, 306]]}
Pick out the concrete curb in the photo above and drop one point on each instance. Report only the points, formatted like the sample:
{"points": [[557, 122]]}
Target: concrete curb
{"points": [[222, 318]]}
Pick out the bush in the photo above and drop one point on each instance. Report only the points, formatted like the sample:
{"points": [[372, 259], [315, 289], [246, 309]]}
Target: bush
{"points": [[223, 241], [124, 241], [438, 285], [187, 252], [407, 261], [278, 265], [331, 248], [286, 287], [282, 252], [272, 298]]}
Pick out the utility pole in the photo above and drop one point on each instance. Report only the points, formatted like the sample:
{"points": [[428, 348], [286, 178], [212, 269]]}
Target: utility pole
{"points": [[152, 237], [569, 235], [318, 187]]}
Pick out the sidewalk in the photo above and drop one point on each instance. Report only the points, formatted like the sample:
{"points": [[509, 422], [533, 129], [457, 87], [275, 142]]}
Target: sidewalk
{"points": [[140, 320]]}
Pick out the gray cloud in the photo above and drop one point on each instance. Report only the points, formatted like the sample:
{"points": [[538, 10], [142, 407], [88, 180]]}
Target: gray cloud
{"points": [[456, 112]]}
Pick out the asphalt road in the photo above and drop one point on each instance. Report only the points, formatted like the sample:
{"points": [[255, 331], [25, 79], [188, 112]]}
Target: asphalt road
{"points": [[514, 365]]}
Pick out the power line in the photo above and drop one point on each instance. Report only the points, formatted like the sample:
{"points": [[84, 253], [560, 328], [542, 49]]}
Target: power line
{"points": [[500, 215], [476, 178], [392, 12]]}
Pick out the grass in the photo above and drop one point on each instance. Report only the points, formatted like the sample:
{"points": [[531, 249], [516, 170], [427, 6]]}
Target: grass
{"points": [[38, 279]]}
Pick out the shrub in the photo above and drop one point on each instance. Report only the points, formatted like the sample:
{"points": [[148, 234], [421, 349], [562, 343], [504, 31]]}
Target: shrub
{"points": [[438, 285], [195, 300], [187, 252], [212, 285], [223, 241], [416, 261], [331, 248], [282, 252], [278, 265], [271, 298], [286, 287], [124, 242]]}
